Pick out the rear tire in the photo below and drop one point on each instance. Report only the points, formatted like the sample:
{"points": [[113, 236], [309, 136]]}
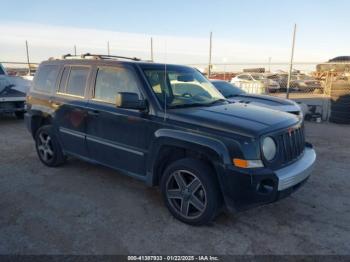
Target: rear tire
{"points": [[48, 148], [191, 191]]}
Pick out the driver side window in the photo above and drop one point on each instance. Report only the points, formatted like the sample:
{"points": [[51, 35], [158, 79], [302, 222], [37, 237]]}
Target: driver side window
{"points": [[112, 80], [158, 83]]}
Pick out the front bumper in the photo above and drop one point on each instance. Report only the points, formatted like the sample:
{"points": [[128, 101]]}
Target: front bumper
{"points": [[11, 106], [296, 172], [244, 190]]}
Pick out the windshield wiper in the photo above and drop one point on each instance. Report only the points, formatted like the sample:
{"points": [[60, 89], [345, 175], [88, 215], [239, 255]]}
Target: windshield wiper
{"points": [[186, 105], [230, 96], [221, 100]]}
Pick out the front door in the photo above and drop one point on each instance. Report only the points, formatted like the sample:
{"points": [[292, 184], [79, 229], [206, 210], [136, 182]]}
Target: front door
{"points": [[116, 137]]}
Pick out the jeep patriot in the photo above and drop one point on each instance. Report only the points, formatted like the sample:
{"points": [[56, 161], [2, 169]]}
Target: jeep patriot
{"points": [[168, 126]]}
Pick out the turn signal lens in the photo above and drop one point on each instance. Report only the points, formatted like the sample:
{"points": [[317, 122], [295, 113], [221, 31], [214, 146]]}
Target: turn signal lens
{"points": [[242, 163]]}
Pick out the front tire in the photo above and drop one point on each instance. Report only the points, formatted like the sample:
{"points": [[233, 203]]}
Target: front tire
{"points": [[48, 148], [191, 191]]}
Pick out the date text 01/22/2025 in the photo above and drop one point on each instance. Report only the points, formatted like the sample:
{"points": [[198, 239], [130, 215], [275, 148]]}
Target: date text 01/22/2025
{"points": [[173, 258]]}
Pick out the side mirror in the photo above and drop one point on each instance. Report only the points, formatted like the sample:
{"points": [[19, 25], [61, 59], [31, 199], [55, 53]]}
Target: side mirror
{"points": [[130, 101]]}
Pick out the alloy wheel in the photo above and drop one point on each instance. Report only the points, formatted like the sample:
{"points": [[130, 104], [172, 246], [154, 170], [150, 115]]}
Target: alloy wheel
{"points": [[44, 145], [186, 194]]}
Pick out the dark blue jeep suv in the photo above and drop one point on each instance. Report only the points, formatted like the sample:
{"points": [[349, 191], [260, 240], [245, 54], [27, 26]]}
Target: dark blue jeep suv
{"points": [[168, 126]]}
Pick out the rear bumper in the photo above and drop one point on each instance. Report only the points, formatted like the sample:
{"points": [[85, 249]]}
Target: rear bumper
{"points": [[259, 187]]}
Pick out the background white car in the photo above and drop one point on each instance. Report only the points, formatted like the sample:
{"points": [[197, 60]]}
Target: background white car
{"points": [[255, 83]]}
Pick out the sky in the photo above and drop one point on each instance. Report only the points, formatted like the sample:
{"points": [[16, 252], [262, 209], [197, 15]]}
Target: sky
{"points": [[243, 31]]}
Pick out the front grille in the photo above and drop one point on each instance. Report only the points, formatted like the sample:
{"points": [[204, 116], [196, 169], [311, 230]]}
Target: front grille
{"points": [[297, 113], [290, 147], [291, 144]]}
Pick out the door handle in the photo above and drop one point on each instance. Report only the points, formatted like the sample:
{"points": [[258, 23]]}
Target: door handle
{"points": [[93, 113]]}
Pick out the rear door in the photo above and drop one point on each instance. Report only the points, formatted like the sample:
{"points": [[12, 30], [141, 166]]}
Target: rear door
{"points": [[116, 137], [70, 105]]}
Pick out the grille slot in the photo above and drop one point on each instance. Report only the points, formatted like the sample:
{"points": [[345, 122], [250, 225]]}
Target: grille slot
{"points": [[291, 144]]}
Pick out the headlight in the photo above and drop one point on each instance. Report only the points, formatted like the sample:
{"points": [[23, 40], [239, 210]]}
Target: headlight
{"points": [[269, 148]]}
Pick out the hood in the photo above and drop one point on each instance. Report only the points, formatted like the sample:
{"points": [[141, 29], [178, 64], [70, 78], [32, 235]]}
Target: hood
{"points": [[14, 83], [267, 101], [248, 120]]}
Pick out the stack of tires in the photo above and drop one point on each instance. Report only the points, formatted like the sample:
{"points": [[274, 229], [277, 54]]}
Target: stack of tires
{"points": [[340, 102]]}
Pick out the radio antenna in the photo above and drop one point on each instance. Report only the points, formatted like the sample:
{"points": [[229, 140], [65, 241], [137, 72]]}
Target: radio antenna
{"points": [[165, 81]]}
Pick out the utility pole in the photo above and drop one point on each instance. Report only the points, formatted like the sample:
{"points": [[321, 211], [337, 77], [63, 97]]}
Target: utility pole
{"points": [[75, 50], [27, 51], [210, 47], [291, 61], [108, 50], [269, 64], [152, 58]]}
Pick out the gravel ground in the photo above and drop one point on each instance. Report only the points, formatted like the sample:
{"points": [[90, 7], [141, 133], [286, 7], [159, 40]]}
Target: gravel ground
{"points": [[82, 208]]}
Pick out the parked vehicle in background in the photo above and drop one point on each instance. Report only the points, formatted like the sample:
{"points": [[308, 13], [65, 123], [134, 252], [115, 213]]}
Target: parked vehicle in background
{"points": [[298, 82], [304, 83], [235, 94], [281, 79], [255, 83], [12, 97], [168, 126]]}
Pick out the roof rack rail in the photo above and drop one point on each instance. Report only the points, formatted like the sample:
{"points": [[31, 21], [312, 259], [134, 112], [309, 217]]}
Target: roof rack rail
{"points": [[110, 57], [68, 55], [98, 56]]}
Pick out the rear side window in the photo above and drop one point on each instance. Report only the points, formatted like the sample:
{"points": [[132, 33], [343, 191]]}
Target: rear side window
{"points": [[63, 83], [111, 81], [46, 78], [74, 80]]}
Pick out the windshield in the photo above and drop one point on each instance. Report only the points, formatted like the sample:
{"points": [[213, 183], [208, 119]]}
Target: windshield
{"points": [[227, 90], [181, 87]]}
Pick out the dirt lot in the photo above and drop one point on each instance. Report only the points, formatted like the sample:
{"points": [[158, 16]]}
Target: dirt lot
{"points": [[86, 209]]}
